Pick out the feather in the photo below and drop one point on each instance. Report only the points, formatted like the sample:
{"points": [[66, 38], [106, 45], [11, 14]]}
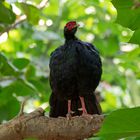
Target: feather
{"points": [[75, 70]]}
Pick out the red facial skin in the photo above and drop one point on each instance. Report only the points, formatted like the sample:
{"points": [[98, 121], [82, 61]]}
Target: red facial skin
{"points": [[70, 25]]}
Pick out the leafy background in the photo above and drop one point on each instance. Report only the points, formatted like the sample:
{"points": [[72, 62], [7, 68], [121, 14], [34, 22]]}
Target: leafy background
{"points": [[31, 29]]}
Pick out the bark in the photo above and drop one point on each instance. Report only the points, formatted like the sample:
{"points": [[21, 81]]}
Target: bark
{"points": [[36, 125]]}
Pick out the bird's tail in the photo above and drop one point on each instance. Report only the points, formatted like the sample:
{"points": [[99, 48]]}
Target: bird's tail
{"points": [[92, 104], [59, 107]]}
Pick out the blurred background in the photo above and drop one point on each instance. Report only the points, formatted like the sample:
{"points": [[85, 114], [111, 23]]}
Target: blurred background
{"points": [[31, 29]]}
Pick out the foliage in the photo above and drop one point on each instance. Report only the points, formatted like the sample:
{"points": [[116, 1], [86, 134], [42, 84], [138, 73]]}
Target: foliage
{"points": [[132, 10], [124, 123], [31, 30], [121, 123]]}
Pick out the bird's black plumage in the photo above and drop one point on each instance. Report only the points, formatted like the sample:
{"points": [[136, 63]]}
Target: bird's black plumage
{"points": [[75, 70]]}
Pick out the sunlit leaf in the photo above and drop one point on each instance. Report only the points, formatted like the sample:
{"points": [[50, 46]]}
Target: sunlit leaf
{"points": [[6, 13], [124, 8], [32, 13]]}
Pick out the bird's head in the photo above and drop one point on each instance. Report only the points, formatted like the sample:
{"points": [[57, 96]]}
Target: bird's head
{"points": [[70, 29]]}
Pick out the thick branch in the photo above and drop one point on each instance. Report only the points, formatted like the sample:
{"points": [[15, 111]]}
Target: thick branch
{"points": [[36, 125]]}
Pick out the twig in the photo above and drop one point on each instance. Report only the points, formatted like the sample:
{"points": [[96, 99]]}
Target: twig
{"points": [[18, 21], [136, 4], [21, 112], [42, 4]]}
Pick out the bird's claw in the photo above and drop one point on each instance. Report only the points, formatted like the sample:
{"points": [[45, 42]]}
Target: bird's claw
{"points": [[69, 115], [87, 116]]}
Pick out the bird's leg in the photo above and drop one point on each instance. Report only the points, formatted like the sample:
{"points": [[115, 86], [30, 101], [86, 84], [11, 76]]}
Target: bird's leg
{"points": [[69, 110], [83, 106]]}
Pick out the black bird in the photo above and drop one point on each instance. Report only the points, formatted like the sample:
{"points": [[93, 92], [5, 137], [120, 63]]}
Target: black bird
{"points": [[75, 72]]}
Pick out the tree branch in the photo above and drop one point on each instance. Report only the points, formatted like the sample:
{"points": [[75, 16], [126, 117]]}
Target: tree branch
{"points": [[12, 26], [23, 18], [36, 125]]}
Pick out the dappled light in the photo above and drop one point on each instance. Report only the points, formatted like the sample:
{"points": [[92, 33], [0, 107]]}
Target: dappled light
{"points": [[31, 30]]}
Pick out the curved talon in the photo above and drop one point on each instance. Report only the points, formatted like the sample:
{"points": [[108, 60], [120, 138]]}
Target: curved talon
{"points": [[69, 115], [70, 112]]}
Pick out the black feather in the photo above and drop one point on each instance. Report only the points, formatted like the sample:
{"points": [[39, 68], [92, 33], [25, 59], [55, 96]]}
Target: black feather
{"points": [[75, 70]]}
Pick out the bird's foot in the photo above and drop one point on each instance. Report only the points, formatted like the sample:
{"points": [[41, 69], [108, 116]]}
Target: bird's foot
{"points": [[84, 111], [69, 115], [85, 114]]}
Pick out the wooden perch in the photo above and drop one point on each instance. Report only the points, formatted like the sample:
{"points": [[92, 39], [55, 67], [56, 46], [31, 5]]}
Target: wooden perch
{"points": [[36, 125]]}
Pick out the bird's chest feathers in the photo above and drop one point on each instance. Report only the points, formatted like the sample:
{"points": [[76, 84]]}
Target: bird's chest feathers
{"points": [[69, 53]]}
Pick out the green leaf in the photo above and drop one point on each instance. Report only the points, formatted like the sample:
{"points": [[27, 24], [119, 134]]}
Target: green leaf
{"points": [[32, 13], [136, 37], [30, 72], [39, 85], [20, 88], [43, 87], [121, 123], [5, 93], [125, 9], [6, 14], [132, 138], [95, 138], [9, 110], [110, 43], [137, 138], [9, 106], [27, 88], [6, 68], [20, 63]]}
